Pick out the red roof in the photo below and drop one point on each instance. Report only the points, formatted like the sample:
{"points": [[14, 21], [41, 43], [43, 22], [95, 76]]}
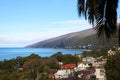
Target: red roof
{"points": [[51, 75], [68, 66]]}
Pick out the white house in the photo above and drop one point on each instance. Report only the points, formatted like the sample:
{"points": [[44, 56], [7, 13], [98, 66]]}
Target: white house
{"points": [[88, 59], [100, 74], [82, 66], [62, 74]]}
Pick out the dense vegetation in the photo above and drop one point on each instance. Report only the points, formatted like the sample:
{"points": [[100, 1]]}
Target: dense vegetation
{"points": [[95, 53], [112, 67], [33, 67]]}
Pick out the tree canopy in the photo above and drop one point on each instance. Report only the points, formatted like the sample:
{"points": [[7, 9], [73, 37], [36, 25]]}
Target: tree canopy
{"points": [[112, 67]]}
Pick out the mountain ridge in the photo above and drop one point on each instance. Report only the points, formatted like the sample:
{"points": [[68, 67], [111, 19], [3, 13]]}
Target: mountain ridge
{"points": [[85, 39], [64, 38]]}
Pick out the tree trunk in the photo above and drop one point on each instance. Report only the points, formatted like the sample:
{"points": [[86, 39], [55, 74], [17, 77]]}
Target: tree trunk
{"points": [[119, 35]]}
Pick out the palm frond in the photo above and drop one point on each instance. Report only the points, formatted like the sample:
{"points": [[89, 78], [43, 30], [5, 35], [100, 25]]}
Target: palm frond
{"points": [[82, 8], [102, 13]]}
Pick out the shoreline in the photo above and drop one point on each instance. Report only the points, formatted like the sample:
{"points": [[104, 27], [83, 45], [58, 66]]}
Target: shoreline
{"points": [[12, 53]]}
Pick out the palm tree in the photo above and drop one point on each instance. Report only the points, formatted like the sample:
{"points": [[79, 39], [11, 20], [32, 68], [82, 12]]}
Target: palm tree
{"points": [[102, 14], [119, 34]]}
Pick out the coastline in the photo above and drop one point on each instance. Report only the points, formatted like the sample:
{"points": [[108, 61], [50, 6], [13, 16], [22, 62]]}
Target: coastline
{"points": [[13, 52]]}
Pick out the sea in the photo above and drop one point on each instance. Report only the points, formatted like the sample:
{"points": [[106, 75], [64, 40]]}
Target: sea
{"points": [[10, 53]]}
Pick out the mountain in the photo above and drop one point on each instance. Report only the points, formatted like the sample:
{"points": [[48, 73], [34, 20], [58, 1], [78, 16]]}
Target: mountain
{"points": [[83, 39]]}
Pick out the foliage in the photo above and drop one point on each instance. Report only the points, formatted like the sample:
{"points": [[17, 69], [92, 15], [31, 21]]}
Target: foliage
{"points": [[67, 58], [34, 67], [112, 67], [33, 56], [4, 75], [43, 76], [95, 53], [93, 77], [58, 56], [37, 66]]}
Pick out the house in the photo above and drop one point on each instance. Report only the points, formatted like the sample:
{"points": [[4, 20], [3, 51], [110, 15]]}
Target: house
{"points": [[100, 74], [88, 59], [65, 71], [82, 66], [51, 75], [68, 66], [111, 52], [62, 74], [60, 63], [85, 74], [99, 63]]}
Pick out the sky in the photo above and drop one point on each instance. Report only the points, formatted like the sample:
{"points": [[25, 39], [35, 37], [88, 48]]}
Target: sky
{"points": [[24, 22]]}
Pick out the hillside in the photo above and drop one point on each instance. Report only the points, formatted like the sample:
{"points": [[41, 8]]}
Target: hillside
{"points": [[86, 39]]}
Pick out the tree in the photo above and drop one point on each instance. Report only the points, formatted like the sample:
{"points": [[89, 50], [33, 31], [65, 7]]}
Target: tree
{"points": [[119, 34], [68, 58], [33, 56], [33, 66], [112, 67], [93, 77], [102, 14]]}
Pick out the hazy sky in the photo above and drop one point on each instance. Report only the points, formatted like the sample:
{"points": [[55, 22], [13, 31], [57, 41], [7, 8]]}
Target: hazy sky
{"points": [[23, 22]]}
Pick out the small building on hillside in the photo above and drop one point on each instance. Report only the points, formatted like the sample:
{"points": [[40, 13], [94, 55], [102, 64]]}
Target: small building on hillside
{"points": [[62, 74], [88, 59], [68, 66], [65, 71], [99, 62], [82, 66], [100, 73], [85, 74], [111, 52]]}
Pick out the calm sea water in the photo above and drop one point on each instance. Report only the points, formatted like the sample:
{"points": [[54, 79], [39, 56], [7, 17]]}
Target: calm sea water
{"points": [[9, 53]]}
